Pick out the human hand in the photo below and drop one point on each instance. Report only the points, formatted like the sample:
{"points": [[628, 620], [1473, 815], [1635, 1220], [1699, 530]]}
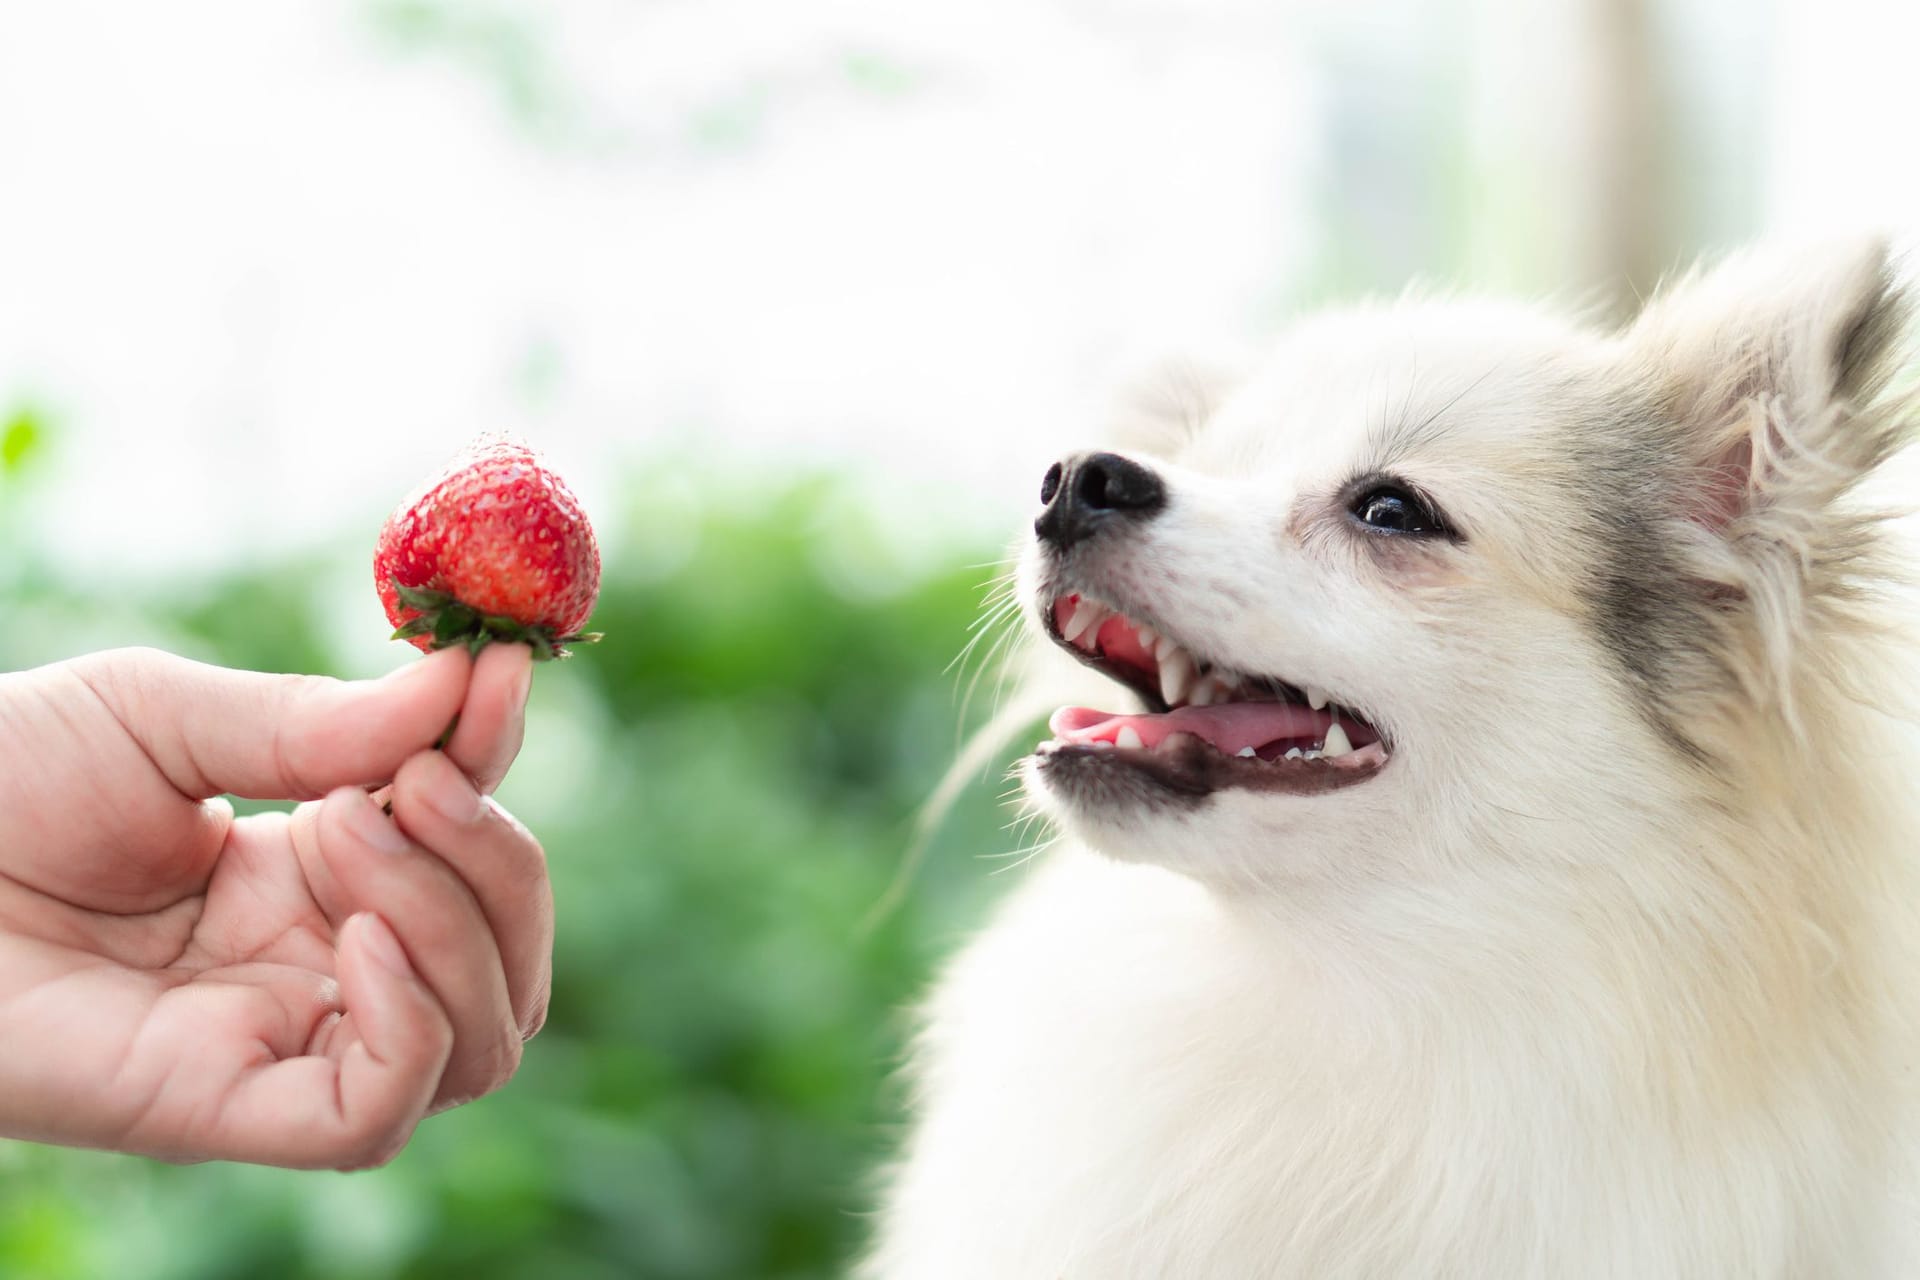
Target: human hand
{"points": [[293, 989]]}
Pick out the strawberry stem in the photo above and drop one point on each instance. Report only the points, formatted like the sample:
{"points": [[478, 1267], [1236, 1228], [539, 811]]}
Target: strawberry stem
{"points": [[451, 622]]}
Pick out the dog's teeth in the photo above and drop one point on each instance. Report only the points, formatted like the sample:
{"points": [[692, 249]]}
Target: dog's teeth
{"points": [[1246, 753], [1127, 737], [1147, 637], [1086, 616], [1313, 755], [1337, 743], [1293, 753], [1101, 744], [1316, 698], [1176, 677], [1163, 647]]}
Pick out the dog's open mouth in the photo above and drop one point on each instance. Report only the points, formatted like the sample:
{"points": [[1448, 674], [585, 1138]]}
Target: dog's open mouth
{"points": [[1210, 727]]}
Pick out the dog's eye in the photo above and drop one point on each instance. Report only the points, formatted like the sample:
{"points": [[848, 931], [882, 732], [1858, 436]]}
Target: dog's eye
{"points": [[1392, 508]]}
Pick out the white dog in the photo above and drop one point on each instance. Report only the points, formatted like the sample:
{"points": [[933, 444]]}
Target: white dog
{"points": [[1511, 872]]}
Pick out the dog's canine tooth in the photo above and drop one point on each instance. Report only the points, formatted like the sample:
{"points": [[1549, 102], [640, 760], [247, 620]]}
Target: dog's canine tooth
{"points": [[1163, 646], [1176, 676], [1337, 743], [1316, 698], [1127, 737], [1086, 615]]}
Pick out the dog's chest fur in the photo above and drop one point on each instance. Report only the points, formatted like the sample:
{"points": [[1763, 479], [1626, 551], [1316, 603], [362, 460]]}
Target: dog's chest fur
{"points": [[1121, 1082]]}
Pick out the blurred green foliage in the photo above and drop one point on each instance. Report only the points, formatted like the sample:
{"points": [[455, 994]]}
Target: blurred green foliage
{"points": [[506, 44], [20, 436], [725, 788], [514, 51]]}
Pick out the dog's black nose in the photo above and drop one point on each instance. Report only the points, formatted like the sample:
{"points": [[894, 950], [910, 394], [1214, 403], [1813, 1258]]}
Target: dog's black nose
{"points": [[1090, 491]]}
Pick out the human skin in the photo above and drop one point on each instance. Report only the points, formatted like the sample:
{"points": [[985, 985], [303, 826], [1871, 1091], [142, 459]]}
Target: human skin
{"points": [[291, 989]]}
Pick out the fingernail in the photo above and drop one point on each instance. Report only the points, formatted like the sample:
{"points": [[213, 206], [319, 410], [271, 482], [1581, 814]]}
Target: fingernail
{"points": [[369, 824], [449, 794], [383, 946]]}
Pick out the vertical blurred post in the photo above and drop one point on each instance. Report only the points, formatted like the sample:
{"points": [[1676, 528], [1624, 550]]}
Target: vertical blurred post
{"points": [[1570, 142], [1611, 142], [1580, 148], [1622, 209]]}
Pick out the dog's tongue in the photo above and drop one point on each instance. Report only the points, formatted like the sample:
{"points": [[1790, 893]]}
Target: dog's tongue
{"points": [[1230, 727]]}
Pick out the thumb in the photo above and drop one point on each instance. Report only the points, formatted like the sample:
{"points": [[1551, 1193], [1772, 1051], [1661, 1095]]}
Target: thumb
{"points": [[211, 730]]}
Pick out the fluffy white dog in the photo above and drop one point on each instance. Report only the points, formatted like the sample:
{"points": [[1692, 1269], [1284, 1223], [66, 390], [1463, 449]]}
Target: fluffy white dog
{"points": [[1505, 865]]}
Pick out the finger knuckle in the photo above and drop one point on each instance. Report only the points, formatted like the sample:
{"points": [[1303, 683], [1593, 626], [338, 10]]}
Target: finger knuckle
{"points": [[132, 660], [289, 746], [123, 678]]}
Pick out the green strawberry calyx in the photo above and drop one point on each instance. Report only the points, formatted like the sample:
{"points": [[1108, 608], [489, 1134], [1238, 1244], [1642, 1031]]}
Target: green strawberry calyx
{"points": [[451, 623]]}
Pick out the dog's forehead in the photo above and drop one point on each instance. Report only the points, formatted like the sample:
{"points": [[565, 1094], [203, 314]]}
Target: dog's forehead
{"points": [[1371, 389]]}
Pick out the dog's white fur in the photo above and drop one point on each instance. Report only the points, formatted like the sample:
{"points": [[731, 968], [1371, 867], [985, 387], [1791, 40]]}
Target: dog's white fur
{"points": [[1609, 971]]}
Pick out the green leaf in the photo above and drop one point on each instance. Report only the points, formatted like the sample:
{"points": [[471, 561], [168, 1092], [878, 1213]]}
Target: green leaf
{"points": [[414, 627], [20, 439], [421, 597], [454, 623]]}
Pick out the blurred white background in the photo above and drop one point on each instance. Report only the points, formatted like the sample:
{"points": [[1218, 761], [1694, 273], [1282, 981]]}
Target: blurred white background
{"points": [[262, 265]]}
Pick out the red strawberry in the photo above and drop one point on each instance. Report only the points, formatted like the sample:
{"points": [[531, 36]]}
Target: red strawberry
{"points": [[495, 547]]}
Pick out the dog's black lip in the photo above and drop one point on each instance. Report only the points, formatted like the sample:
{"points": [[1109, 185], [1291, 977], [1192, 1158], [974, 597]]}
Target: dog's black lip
{"points": [[1192, 769]]}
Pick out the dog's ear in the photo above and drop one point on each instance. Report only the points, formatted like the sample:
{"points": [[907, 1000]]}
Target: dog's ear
{"points": [[1162, 404], [1766, 361], [1772, 371]]}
